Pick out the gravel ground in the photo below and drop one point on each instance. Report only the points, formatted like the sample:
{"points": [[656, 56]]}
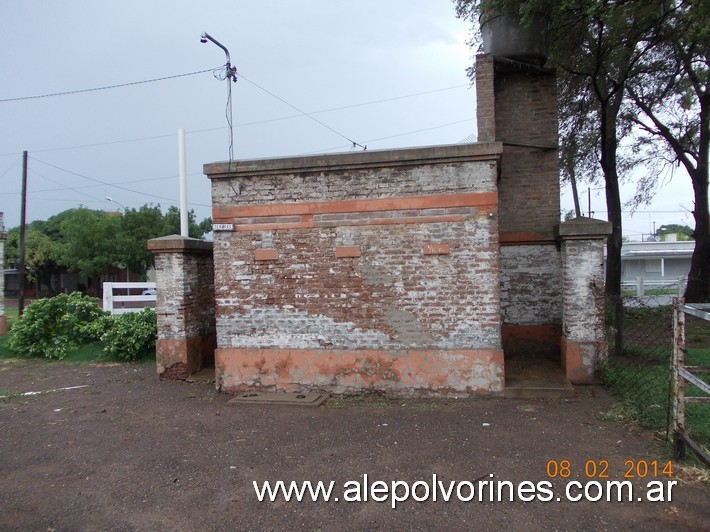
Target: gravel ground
{"points": [[127, 452]]}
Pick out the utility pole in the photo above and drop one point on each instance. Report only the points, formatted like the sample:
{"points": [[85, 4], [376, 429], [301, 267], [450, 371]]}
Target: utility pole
{"points": [[575, 195], [589, 201], [21, 259]]}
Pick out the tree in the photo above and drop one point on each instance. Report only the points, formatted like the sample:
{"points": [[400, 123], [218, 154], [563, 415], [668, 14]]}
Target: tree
{"points": [[672, 94], [140, 225], [596, 46], [90, 242], [685, 232], [41, 259], [41, 254], [195, 230]]}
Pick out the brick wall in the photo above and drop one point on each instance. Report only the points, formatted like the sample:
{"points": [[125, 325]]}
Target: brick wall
{"points": [[373, 270], [519, 108], [531, 300], [583, 331], [185, 305], [3, 317]]}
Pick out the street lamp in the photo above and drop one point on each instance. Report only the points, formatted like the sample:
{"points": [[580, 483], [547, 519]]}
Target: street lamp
{"points": [[128, 271], [117, 203]]}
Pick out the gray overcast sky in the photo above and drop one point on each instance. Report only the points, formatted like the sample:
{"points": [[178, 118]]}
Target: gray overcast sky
{"points": [[316, 55]]}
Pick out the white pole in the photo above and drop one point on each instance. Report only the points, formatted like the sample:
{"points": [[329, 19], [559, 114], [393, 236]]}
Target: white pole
{"points": [[184, 227]]}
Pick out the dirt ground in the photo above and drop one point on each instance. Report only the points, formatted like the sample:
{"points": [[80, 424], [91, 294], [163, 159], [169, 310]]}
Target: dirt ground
{"points": [[127, 452]]}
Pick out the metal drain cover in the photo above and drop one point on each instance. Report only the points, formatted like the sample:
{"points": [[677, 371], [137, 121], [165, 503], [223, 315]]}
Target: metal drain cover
{"points": [[274, 398]]}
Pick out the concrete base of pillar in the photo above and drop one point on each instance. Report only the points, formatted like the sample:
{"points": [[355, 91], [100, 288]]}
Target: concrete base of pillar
{"points": [[579, 360], [178, 359]]}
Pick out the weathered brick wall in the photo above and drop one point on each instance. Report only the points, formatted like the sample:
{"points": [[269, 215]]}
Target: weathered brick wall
{"points": [[526, 123], [583, 331], [393, 296], [519, 109], [185, 305], [3, 317], [531, 299], [375, 270]]}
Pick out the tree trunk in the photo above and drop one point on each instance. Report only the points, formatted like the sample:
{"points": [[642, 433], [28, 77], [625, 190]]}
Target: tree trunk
{"points": [[609, 114], [698, 289]]}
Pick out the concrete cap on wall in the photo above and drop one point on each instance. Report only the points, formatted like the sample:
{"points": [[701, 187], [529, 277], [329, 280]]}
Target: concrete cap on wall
{"points": [[358, 159], [583, 228], [179, 244]]}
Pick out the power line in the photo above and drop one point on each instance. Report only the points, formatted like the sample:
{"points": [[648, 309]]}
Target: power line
{"points": [[111, 184], [64, 187], [79, 91], [243, 124], [12, 167], [94, 186], [397, 135], [354, 144]]}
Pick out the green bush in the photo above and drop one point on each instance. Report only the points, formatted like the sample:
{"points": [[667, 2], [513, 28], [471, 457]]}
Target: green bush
{"points": [[56, 326], [131, 335]]}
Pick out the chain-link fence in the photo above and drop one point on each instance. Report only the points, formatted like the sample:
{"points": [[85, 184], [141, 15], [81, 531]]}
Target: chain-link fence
{"points": [[638, 371]]}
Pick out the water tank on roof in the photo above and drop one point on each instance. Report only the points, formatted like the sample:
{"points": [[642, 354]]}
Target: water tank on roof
{"points": [[506, 36]]}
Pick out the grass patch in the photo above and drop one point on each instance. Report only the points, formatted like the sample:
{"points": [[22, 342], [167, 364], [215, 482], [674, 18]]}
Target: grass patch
{"points": [[5, 353], [86, 353], [93, 352], [7, 395], [375, 401], [643, 392], [652, 292], [640, 377]]}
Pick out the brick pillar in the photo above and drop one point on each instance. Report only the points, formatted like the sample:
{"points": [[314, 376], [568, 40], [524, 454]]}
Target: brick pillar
{"points": [[485, 98], [3, 317], [185, 305], [583, 342]]}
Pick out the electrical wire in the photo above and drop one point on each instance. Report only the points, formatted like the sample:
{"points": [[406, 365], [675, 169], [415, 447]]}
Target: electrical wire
{"points": [[228, 73], [354, 144], [111, 184], [12, 167], [394, 136], [65, 93], [64, 187], [240, 124]]}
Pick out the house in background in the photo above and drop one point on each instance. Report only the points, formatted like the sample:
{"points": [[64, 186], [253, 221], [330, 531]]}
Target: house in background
{"points": [[657, 263]]}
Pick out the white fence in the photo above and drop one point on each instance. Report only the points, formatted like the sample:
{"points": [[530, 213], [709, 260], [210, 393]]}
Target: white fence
{"points": [[682, 375], [640, 285], [119, 299]]}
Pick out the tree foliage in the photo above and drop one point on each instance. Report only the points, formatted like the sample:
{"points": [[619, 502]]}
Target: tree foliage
{"points": [[56, 326], [683, 231], [91, 241], [632, 75]]}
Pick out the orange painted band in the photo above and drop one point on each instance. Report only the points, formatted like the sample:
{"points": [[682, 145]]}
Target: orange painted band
{"points": [[340, 223], [349, 206]]}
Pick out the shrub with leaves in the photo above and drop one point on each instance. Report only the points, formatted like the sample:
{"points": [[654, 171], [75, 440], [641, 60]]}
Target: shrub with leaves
{"points": [[131, 335], [56, 326]]}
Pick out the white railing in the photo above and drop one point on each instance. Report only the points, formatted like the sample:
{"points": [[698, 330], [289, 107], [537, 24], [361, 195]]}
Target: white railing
{"points": [[683, 375], [640, 285], [125, 301]]}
